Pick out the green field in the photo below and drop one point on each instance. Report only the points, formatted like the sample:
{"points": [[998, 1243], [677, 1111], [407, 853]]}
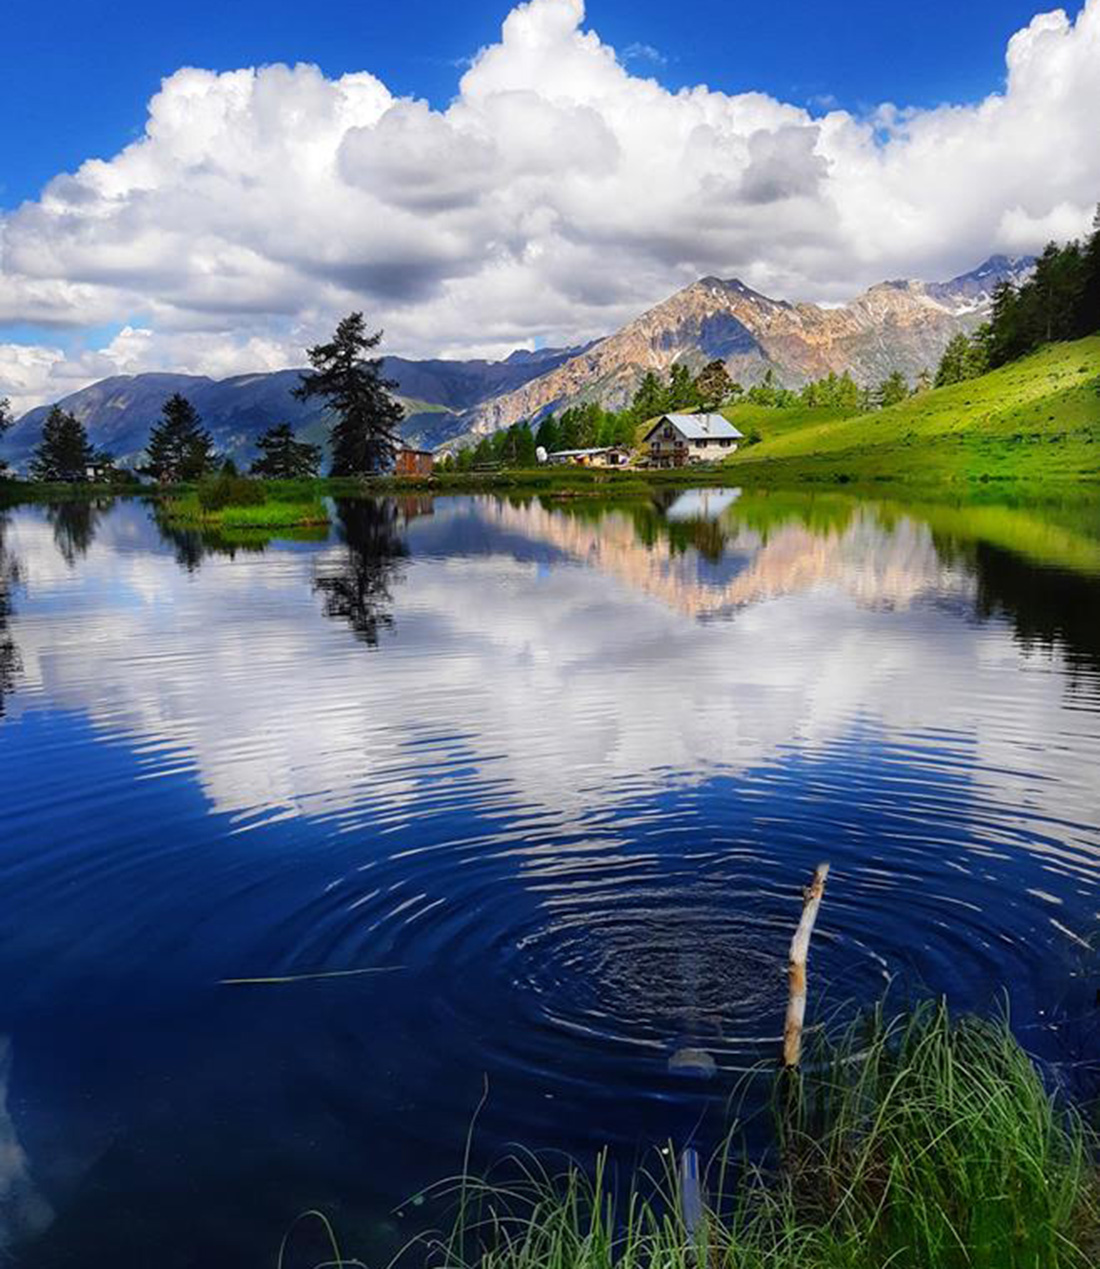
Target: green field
{"points": [[1037, 419]]}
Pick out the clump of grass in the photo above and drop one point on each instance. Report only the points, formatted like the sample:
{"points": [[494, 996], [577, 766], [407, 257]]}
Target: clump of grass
{"points": [[918, 1142], [188, 512], [933, 1142]]}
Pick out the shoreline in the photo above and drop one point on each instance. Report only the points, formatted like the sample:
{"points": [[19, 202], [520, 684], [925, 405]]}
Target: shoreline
{"points": [[810, 476]]}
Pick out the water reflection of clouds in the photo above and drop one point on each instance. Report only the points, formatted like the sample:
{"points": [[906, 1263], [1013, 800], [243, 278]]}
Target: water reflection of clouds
{"points": [[577, 684]]}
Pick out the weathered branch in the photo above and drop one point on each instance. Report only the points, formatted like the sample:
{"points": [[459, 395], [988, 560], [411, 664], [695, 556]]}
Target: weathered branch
{"points": [[796, 971]]}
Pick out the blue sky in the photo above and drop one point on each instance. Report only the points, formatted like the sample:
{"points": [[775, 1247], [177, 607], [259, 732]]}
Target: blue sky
{"points": [[208, 187], [75, 75]]}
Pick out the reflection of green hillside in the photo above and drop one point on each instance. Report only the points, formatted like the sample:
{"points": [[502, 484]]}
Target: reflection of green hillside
{"points": [[1041, 538], [765, 511], [1063, 534]]}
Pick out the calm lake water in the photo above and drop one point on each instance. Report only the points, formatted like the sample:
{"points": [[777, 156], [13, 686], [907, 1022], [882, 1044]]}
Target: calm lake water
{"points": [[556, 772]]}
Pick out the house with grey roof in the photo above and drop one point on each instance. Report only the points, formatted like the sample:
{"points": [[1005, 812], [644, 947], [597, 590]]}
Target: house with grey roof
{"points": [[677, 439]]}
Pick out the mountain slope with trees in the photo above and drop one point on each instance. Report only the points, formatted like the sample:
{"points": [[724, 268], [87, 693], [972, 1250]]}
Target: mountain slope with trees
{"points": [[899, 327], [1037, 417], [894, 327]]}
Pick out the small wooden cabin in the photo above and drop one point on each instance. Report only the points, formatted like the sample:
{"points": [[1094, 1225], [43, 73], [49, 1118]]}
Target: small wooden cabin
{"points": [[414, 462]]}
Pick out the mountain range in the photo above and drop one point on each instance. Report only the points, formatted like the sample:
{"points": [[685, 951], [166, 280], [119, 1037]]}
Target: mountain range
{"points": [[899, 325]]}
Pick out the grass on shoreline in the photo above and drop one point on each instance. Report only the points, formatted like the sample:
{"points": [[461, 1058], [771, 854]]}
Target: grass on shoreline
{"points": [[918, 1142]]}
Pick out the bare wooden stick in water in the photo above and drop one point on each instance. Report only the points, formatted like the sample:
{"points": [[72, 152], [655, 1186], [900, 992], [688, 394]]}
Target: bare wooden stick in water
{"points": [[800, 949]]}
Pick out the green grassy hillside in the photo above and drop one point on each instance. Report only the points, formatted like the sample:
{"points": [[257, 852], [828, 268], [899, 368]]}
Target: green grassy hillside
{"points": [[1037, 419]]}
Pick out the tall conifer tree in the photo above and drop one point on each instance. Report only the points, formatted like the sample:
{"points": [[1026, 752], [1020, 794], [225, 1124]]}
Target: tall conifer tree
{"points": [[363, 435], [64, 452], [179, 447]]}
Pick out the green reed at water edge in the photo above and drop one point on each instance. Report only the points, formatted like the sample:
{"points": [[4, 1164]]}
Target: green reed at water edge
{"points": [[916, 1141]]}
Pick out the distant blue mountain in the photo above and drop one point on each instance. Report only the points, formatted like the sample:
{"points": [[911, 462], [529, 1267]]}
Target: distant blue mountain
{"points": [[118, 412]]}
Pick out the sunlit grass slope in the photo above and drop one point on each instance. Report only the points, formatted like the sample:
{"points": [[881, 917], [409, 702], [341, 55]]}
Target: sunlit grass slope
{"points": [[1037, 419]]}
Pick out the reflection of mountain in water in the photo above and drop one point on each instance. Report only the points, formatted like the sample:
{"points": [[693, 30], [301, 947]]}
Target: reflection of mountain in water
{"points": [[876, 565], [358, 586]]}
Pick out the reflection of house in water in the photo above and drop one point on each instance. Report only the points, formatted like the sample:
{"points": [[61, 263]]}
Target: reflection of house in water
{"points": [[701, 504]]}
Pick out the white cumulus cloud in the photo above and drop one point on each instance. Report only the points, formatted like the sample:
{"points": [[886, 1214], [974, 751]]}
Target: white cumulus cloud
{"points": [[560, 192]]}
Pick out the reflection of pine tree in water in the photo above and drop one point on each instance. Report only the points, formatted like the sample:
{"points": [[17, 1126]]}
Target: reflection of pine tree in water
{"points": [[358, 588], [9, 653], [74, 526]]}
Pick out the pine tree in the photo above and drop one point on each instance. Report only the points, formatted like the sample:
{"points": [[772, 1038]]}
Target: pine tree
{"points": [[1005, 341], [1051, 294], [179, 447], [363, 437], [64, 452], [525, 446], [1088, 305], [650, 400], [6, 420], [892, 390], [682, 392], [714, 386], [548, 437], [282, 457]]}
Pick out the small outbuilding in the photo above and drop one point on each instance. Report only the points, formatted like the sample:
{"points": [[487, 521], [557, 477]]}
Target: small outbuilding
{"points": [[599, 456], [414, 462], [677, 439]]}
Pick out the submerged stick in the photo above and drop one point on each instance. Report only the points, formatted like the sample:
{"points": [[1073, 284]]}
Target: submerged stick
{"points": [[796, 970], [691, 1193], [305, 978]]}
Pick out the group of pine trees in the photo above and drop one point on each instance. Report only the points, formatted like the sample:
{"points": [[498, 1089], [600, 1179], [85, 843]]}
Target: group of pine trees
{"points": [[363, 436], [1060, 300]]}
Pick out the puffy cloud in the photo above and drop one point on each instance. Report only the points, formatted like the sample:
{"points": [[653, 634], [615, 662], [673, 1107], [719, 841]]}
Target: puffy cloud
{"points": [[556, 196]]}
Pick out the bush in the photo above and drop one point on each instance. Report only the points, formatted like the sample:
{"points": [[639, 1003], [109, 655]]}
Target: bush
{"points": [[218, 492]]}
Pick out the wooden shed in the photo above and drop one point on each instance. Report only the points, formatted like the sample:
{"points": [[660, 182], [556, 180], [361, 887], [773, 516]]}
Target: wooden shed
{"points": [[414, 462]]}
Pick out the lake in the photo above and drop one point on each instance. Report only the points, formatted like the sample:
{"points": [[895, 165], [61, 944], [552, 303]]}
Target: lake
{"points": [[506, 794]]}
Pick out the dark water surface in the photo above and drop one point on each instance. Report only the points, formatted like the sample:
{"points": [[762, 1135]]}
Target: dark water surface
{"points": [[556, 772]]}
